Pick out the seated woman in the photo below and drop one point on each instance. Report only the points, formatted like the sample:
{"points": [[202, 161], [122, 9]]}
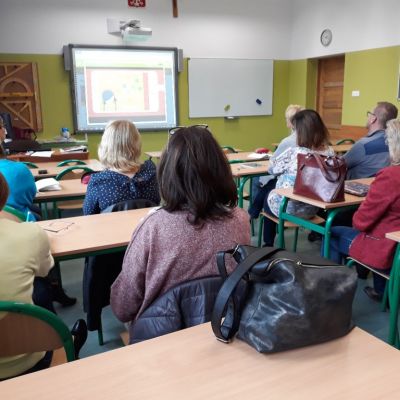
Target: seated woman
{"points": [[312, 136], [261, 187], [179, 241], [124, 178], [378, 214], [20, 181], [21, 265]]}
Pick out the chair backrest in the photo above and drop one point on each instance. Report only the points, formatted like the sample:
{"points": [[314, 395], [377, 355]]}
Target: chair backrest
{"points": [[30, 164], [228, 149], [133, 204], [344, 141], [18, 215], [68, 173], [69, 162], [26, 328], [185, 305]]}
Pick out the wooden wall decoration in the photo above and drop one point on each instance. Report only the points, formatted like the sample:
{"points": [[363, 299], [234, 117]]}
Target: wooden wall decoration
{"points": [[19, 94]]}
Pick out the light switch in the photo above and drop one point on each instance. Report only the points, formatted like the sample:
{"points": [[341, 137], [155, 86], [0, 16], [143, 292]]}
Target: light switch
{"points": [[355, 93]]}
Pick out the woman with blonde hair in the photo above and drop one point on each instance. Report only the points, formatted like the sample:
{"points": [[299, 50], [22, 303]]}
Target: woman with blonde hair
{"points": [[378, 214], [124, 177]]}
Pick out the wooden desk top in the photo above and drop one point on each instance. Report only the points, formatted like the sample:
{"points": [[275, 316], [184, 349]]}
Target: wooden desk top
{"points": [[157, 154], [69, 188], [56, 156], [241, 156], [192, 364], [394, 236], [350, 200], [53, 170], [258, 167], [90, 233]]}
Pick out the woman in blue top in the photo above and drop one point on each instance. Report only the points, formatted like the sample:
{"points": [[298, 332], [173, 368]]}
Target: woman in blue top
{"points": [[20, 181], [124, 178]]}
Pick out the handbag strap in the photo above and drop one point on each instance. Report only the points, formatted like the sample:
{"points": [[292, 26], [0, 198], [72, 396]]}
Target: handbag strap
{"points": [[227, 289]]}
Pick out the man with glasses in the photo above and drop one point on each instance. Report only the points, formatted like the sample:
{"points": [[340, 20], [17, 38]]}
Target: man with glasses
{"points": [[370, 154]]}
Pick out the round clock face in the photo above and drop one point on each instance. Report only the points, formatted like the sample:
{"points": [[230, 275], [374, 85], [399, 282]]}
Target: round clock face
{"points": [[326, 37]]}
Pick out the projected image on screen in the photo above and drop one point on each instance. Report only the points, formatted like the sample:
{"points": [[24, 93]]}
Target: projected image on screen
{"points": [[124, 83]]}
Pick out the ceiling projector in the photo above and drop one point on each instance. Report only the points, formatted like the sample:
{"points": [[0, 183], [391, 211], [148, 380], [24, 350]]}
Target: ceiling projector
{"points": [[129, 30]]}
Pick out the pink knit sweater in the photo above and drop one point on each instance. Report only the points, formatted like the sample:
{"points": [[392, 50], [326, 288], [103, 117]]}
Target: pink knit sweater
{"points": [[166, 250]]}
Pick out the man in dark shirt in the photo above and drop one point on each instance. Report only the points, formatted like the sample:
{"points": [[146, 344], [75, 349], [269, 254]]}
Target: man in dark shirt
{"points": [[370, 154]]}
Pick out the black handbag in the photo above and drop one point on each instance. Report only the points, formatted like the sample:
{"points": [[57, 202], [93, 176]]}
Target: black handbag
{"points": [[290, 300]]}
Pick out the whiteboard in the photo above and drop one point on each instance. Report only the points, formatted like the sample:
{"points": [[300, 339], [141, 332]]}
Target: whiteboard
{"points": [[221, 87]]}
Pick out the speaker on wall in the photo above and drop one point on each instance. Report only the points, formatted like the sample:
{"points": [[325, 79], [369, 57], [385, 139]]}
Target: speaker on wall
{"points": [[180, 60], [67, 58]]}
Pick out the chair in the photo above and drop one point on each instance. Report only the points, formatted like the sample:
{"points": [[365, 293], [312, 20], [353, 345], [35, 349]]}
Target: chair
{"points": [[70, 162], [287, 224], [228, 149], [187, 304], [30, 164], [13, 214], [391, 295], [344, 141], [101, 271], [27, 328], [69, 173]]}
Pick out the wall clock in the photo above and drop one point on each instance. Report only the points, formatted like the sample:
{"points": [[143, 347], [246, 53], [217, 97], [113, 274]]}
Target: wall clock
{"points": [[326, 37]]}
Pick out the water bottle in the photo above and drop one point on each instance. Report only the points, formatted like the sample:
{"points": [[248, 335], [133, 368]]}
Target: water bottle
{"points": [[65, 133], [30, 217]]}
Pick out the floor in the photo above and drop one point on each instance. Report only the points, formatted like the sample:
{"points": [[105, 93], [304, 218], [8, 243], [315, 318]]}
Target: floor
{"points": [[366, 313]]}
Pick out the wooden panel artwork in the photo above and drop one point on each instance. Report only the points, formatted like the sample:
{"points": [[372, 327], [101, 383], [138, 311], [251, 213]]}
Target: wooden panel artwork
{"points": [[19, 94]]}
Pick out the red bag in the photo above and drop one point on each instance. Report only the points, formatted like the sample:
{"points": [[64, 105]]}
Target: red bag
{"points": [[320, 177]]}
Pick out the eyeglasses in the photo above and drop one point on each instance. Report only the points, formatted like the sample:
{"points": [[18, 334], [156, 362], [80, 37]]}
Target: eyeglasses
{"points": [[176, 129], [369, 113]]}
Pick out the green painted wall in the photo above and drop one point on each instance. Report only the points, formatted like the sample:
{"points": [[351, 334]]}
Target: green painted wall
{"points": [[375, 74], [245, 133]]}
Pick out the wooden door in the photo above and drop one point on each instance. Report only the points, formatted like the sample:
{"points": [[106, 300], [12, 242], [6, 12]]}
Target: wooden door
{"points": [[330, 93]]}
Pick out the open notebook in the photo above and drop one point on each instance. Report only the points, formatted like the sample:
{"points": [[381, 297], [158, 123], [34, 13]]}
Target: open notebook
{"points": [[356, 188], [47, 185]]}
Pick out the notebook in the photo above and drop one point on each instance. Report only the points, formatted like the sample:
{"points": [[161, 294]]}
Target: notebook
{"points": [[47, 184], [356, 188]]}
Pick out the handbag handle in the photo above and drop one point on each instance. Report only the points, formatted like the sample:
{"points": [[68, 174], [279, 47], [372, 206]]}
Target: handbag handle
{"points": [[324, 168], [227, 289]]}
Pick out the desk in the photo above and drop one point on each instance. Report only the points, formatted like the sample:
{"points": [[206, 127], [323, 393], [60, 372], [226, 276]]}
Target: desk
{"points": [[192, 364], [243, 173], [56, 156], [233, 156], [71, 189], [92, 234], [53, 170], [332, 210]]}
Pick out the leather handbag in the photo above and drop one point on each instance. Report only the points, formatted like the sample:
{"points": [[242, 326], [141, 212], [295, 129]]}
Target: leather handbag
{"points": [[320, 177], [287, 300]]}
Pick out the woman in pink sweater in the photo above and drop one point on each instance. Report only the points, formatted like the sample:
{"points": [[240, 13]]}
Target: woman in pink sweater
{"points": [[198, 218]]}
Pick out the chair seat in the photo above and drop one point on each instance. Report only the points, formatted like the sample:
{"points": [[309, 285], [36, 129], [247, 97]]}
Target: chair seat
{"points": [[287, 224], [70, 205]]}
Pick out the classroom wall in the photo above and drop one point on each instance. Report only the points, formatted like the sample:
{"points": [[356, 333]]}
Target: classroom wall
{"points": [[375, 73], [356, 25]]}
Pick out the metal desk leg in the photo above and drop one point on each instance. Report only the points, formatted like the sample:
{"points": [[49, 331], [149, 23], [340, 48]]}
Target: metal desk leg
{"points": [[394, 298], [281, 224]]}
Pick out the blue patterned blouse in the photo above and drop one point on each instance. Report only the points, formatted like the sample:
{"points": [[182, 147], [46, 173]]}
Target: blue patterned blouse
{"points": [[109, 187]]}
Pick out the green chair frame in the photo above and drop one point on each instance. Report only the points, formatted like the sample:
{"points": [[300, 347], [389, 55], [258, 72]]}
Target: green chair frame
{"points": [[47, 317], [30, 164], [230, 148], [70, 169], [391, 296], [344, 141], [69, 162], [19, 214]]}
